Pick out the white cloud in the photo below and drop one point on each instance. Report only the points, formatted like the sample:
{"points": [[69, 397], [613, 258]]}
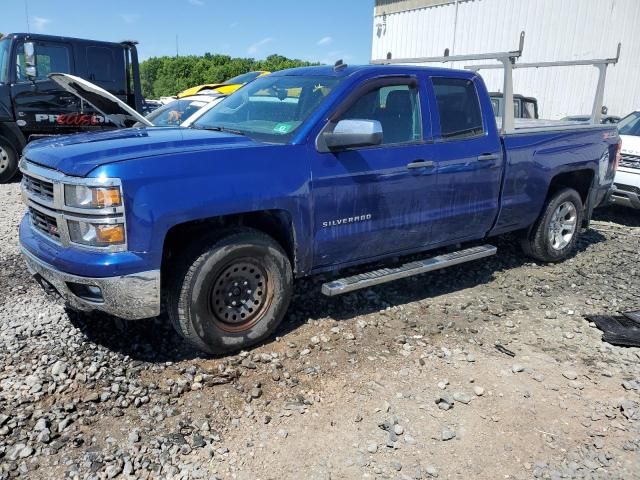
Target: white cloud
{"points": [[259, 44], [197, 3], [129, 17], [40, 23], [325, 41]]}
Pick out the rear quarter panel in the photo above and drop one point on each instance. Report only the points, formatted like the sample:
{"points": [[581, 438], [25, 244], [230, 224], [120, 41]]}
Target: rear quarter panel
{"points": [[534, 159]]}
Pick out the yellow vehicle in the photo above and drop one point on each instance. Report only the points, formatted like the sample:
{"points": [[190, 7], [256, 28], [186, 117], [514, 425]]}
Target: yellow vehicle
{"points": [[225, 88]]}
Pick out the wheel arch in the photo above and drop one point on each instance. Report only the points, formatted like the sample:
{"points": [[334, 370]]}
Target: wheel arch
{"points": [[10, 132], [580, 180], [278, 224]]}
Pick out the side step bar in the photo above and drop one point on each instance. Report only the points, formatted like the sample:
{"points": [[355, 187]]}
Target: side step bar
{"points": [[383, 275]]}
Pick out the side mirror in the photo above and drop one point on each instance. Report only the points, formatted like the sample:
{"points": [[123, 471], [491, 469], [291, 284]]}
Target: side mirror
{"points": [[31, 69], [351, 134]]}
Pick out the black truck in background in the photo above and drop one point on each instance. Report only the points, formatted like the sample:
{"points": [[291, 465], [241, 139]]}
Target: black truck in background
{"points": [[33, 106]]}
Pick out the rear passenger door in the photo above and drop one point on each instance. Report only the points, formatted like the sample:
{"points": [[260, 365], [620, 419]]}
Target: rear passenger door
{"points": [[373, 201], [469, 160]]}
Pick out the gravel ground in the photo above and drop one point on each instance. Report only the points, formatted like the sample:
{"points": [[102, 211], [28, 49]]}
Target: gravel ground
{"points": [[400, 381]]}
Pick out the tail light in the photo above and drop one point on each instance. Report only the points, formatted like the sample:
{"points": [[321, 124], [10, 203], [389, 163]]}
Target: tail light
{"points": [[618, 156]]}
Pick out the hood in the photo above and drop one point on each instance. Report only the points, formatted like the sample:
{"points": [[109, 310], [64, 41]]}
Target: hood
{"points": [[630, 144], [79, 154], [195, 90], [114, 109]]}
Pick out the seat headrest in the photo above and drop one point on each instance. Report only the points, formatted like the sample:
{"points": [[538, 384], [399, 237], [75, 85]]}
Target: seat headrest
{"points": [[399, 101]]}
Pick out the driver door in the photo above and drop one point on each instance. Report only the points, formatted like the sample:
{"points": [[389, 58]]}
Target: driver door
{"points": [[378, 200], [38, 103]]}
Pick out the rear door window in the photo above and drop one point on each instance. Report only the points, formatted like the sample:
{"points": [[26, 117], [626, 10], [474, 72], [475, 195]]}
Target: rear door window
{"points": [[100, 63], [529, 109], [458, 108]]}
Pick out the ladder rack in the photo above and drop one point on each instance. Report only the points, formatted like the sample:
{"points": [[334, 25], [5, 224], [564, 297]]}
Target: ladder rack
{"points": [[600, 64], [507, 61]]}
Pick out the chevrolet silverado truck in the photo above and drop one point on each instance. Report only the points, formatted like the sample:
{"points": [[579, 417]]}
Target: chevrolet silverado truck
{"points": [[362, 166]]}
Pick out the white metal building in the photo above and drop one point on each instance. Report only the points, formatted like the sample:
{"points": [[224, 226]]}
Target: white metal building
{"points": [[555, 30]]}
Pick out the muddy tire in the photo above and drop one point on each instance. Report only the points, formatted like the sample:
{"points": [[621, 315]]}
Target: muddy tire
{"points": [[8, 161], [554, 236], [230, 293]]}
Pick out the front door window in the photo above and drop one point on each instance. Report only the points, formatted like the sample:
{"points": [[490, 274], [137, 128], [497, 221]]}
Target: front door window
{"points": [[50, 58]]}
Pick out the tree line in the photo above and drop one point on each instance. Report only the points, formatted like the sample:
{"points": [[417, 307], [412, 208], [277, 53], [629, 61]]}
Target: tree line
{"points": [[165, 76]]}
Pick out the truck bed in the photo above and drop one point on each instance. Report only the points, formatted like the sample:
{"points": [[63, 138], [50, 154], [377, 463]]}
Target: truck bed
{"points": [[538, 151]]}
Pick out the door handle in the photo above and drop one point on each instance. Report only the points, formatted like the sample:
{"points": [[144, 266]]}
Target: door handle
{"points": [[420, 164], [487, 157], [67, 99]]}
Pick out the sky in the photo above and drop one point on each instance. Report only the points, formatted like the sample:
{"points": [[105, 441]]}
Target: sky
{"points": [[321, 31]]}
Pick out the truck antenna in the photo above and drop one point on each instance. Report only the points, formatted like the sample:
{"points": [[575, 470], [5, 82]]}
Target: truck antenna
{"points": [[26, 13], [339, 65]]}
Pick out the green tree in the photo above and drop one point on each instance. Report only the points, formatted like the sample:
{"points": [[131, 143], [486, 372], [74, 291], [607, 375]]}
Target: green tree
{"points": [[165, 76]]}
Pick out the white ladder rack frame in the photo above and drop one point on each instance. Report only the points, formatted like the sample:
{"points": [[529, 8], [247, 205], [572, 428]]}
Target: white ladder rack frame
{"points": [[507, 61], [600, 64]]}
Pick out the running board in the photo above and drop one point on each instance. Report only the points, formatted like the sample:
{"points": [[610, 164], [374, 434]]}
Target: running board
{"points": [[383, 275]]}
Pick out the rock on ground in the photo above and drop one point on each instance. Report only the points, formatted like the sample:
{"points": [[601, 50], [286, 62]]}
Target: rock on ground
{"points": [[373, 384]]}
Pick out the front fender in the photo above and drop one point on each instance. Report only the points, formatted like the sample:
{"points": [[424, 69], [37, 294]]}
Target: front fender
{"points": [[166, 191]]}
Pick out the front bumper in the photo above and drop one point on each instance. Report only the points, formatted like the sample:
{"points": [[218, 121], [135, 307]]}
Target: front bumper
{"points": [[626, 189], [621, 196], [131, 297]]}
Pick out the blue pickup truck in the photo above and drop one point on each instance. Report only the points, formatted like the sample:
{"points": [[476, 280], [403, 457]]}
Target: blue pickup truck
{"points": [[303, 171]]}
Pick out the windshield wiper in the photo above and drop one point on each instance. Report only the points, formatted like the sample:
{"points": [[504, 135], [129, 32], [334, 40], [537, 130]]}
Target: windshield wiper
{"points": [[220, 129]]}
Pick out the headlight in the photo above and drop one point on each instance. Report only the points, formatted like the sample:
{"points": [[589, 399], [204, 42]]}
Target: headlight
{"points": [[80, 196], [96, 234]]}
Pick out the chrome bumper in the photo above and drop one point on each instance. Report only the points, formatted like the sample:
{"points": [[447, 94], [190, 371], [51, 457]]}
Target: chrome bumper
{"points": [[130, 297], [626, 196]]}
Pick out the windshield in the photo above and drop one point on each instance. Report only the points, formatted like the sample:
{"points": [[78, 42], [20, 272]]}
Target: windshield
{"points": [[4, 60], [630, 125], [176, 112], [270, 108], [244, 78]]}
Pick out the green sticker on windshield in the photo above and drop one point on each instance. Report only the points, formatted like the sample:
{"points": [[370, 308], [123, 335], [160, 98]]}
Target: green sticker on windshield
{"points": [[282, 128]]}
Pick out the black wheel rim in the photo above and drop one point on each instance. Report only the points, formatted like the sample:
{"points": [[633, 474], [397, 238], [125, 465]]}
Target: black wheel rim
{"points": [[240, 295]]}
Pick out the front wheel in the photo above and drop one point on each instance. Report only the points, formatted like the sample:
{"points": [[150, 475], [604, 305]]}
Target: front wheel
{"points": [[555, 234], [232, 293], [8, 161]]}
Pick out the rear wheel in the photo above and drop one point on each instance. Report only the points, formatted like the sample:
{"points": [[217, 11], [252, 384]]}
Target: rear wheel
{"points": [[555, 234], [232, 293], [8, 161]]}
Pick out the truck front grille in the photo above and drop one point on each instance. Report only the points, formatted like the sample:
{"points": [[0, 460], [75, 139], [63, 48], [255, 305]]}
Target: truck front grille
{"points": [[629, 161], [628, 188], [40, 188], [45, 224]]}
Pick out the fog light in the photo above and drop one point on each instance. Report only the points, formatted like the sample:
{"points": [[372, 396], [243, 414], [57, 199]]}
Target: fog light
{"points": [[110, 234], [96, 234], [91, 293]]}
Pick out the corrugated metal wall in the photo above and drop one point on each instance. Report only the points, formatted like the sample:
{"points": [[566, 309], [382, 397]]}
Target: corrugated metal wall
{"points": [[555, 30]]}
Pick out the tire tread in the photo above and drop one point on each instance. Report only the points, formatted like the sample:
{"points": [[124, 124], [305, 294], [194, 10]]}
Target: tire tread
{"points": [[188, 265]]}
